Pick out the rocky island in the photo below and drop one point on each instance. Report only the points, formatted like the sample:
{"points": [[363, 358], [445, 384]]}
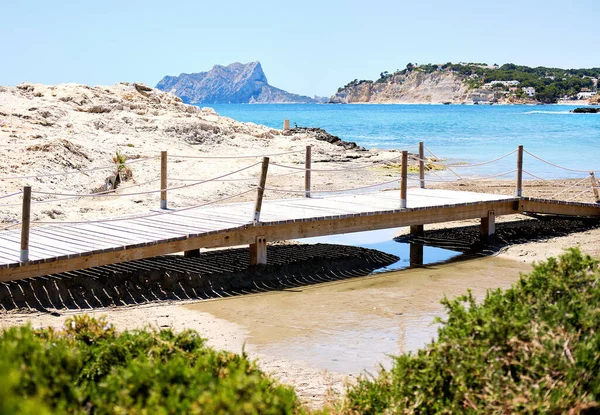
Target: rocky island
{"points": [[237, 83]]}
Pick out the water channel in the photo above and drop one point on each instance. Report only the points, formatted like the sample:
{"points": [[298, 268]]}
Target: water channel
{"points": [[352, 326]]}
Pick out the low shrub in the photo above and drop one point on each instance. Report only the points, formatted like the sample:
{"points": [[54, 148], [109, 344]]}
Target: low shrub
{"points": [[89, 368], [534, 348]]}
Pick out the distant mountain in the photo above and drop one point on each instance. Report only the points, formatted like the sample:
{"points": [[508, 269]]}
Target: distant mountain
{"points": [[237, 83]]}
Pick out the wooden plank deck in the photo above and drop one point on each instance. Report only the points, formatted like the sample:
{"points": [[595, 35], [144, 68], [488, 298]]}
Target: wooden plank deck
{"points": [[68, 247]]}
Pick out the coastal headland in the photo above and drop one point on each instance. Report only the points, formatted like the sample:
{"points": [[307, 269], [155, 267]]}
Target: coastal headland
{"points": [[473, 83]]}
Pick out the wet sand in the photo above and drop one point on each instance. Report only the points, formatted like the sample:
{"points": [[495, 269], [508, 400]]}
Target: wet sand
{"points": [[353, 326]]}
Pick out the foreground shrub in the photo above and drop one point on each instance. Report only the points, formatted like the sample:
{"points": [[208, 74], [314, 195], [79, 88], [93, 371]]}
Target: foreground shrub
{"points": [[89, 368], [534, 348]]}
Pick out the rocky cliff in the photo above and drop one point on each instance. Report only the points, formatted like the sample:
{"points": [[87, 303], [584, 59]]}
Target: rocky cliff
{"points": [[413, 87], [237, 83]]}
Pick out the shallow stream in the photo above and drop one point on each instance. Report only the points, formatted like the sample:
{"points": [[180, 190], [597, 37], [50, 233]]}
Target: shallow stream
{"points": [[352, 326]]}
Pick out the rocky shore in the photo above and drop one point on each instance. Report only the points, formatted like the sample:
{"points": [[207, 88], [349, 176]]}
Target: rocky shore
{"points": [[46, 131]]}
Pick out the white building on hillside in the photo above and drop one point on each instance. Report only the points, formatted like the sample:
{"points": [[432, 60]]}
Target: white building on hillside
{"points": [[585, 95], [529, 91], [505, 83]]}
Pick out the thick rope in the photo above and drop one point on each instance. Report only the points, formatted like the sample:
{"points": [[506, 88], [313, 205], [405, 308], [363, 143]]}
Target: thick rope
{"points": [[234, 157], [344, 169], [557, 166], [456, 165], [431, 152], [11, 226], [100, 194], [559, 184], [37, 176], [480, 164], [464, 180], [577, 195], [10, 195], [272, 189], [149, 191], [170, 212], [242, 179], [576, 185]]}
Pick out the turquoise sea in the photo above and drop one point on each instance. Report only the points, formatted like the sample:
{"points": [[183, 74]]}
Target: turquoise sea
{"points": [[456, 133]]}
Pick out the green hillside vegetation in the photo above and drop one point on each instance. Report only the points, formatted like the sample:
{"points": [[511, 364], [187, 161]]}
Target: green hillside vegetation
{"points": [[550, 83]]}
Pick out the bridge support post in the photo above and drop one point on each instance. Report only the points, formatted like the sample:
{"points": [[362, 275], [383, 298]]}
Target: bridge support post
{"points": [[416, 255], [163, 179], [192, 253], [25, 219], [488, 225], [520, 171], [258, 251], [417, 230], [404, 179], [307, 171], [421, 165], [595, 186]]}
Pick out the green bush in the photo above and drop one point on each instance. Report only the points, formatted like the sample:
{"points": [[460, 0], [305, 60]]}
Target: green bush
{"points": [[89, 368], [534, 348]]}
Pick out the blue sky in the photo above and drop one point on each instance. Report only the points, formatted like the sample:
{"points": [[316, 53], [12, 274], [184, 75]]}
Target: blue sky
{"points": [[308, 47]]}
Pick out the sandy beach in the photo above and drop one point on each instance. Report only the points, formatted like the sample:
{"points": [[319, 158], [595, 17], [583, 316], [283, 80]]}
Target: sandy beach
{"points": [[46, 131]]}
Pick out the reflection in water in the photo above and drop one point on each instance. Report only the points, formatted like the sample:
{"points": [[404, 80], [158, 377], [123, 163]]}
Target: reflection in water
{"points": [[350, 326], [382, 240]]}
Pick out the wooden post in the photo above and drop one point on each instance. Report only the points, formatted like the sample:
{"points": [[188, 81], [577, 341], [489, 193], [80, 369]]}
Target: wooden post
{"points": [[520, 171], [488, 225], [261, 189], [192, 253], [307, 165], [404, 179], [25, 220], [163, 179], [421, 165], [417, 230], [286, 125], [595, 187], [258, 251], [416, 255]]}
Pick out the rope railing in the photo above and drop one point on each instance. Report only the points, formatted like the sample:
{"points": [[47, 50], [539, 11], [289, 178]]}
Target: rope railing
{"points": [[11, 226], [578, 194], [62, 199], [148, 191], [241, 179], [66, 173], [431, 152], [555, 184], [181, 156], [10, 195], [456, 165], [465, 180], [565, 187], [340, 170], [150, 215], [352, 189], [166, 184], [558, 166]]}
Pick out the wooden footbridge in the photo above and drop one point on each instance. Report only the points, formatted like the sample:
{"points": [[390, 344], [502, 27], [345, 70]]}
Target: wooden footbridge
{"points": [[54, 248]]}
